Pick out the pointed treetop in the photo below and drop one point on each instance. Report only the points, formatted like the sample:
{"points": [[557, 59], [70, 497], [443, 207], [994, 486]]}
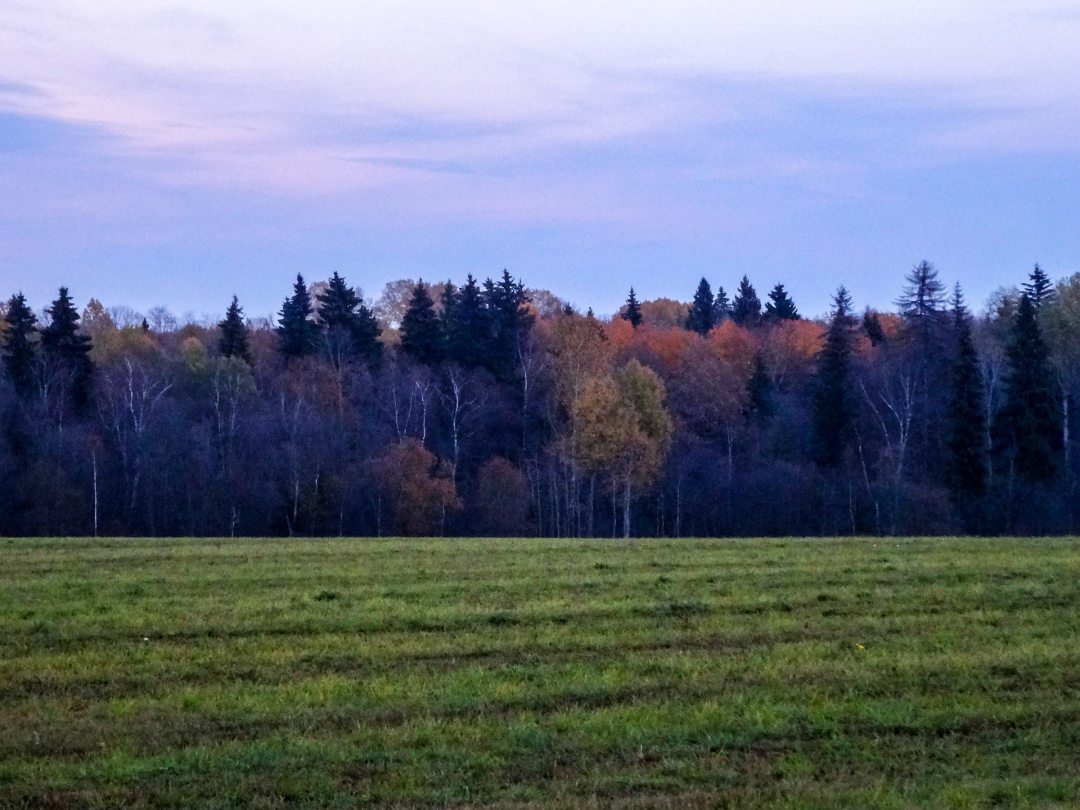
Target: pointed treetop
{"points": [[721, 306], [234, 336], [924, 294], [19, 348], [780, 306], [702, 318], [632, 311], [421, 329], [1039, 288], [746, 307], [299, 334]]}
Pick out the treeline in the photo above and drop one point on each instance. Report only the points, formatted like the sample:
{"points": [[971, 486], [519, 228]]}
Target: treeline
{"points": [[491, 409]]}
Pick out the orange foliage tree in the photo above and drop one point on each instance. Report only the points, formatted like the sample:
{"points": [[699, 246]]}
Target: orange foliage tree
{"points": [[416, 487]]}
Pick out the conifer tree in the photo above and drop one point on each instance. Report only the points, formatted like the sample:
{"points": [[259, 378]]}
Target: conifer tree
{"points": [[759, 389], [421, 329], [67, 348], [721, 307], [1030, 421], [967, 463], [701, 317], [871, 324], [746, 307], [832, 406], [449, 300], [780, 306], [234, 334], [1039, 288], [350, 330], [632, 311], [923, 298], [467, 326], [506, 302], [299, 334], [19, 346]]}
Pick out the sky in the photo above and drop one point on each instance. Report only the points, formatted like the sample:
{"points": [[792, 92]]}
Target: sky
{"points": [[180, 152]]}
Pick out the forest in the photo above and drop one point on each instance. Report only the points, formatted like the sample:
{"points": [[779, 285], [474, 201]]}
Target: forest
{"points": [[492, 409]]}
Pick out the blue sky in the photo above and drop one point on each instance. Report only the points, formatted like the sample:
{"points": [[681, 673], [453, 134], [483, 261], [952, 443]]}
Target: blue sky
{"points": [[179, 152]]}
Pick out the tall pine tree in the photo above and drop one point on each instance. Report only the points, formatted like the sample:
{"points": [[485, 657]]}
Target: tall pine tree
{"points": [[467, 326], [967, 464], [68, 350], [702, 317], [632, 311], [721, 307], [1030, 421], [19, 344], [234, 334], [507, 305], [833, 410], [780, 307], [350, 330], [1039, 288], [421, 328], [746, 307], [299, 334]]}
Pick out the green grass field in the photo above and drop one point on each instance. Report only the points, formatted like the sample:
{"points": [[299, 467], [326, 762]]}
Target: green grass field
{"points": [[540, 673]]}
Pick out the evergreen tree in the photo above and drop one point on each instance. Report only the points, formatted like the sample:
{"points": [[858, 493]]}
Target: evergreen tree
{"points": [[506, 302], [19, 347], [746, 308], [299, 334], [350, 330], [923, 298], [234, 334], [366, 331], [1030, 421], [967, 463], [421, 329], [721, 307], [1039, 288], [467, 327], [449, 300], [632, 311], [832, 413], [67, 348], [871, 324], [780, 306], [759, 389], [702, 317]]}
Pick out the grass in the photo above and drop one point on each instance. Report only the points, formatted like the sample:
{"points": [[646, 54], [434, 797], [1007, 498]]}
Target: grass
{"points": [[539, 673]]}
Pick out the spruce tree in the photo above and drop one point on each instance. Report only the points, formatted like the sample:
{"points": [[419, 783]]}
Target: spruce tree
{"points": [[506, 302], [349, 328], [19, 346], [632, 311], [234, 334], [780, 307], [967, 465], [1030, 421], [449, 301], [68, 350], [299, 334], [923, 298], [871, 324], [1039, 289], [721, 307], [746, 308], [833, 411], [467, 327], [421, 329], [702, 317]]}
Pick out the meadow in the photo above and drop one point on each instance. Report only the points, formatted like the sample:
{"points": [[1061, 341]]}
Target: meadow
{"points": [[540, 673]]}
